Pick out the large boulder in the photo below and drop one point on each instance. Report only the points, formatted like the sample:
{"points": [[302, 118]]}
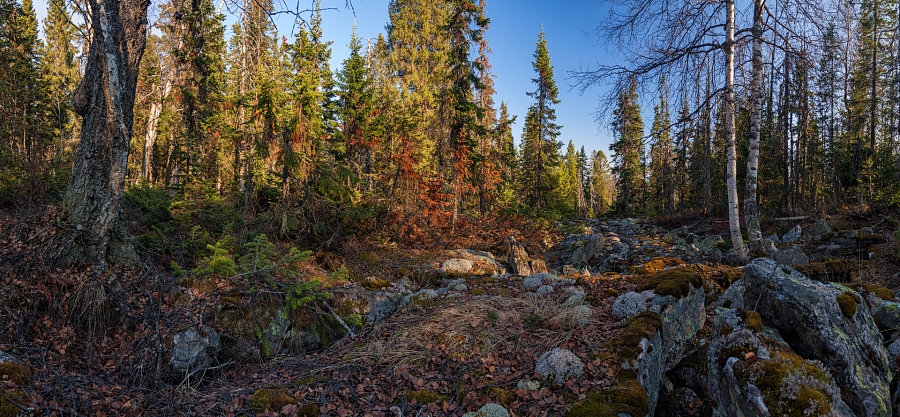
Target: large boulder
{"points": [[753, 374], [651, 344], [828, 323], [790, 256], [456, 267], [792, 235], [579, 250]]}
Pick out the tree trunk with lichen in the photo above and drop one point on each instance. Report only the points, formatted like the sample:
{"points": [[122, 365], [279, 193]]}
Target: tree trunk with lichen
{"points": [[105, 101], [734, 219]]}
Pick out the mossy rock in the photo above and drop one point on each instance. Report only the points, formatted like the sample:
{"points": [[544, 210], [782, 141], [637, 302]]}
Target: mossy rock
{"points": [[626, 397], [426, 397], [790, 385], [848, 303], [271, 399], [16, 372], [308, 410], [375, 284], [504, 396], [675, 282], [655, 265], [754, 321], [639, 327], [879, 291]]}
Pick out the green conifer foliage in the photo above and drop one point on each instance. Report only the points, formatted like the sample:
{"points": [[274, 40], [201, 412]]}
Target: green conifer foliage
{"points": [[627, 148]]}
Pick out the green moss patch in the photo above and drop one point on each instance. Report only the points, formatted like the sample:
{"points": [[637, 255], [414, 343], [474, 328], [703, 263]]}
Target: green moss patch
{"points": [[879, 291], [754, 321], [848, 303], [626, 397], [375, 284], [7, 407], [640, 327], [834, 269], [271, 399], [790, 385], [20, 374], [675, 282]]}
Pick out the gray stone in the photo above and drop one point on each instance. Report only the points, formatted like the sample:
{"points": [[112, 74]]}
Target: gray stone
{"points": [[570, 270], [576, 298], [792, 235], [532, 282], [886, 313], [583, 314], [820, 228], [807, 315], [190, 349], [893, 353], [629, 304], [489, 410], [372, 305], [461, 287], [457, 266], [734, 294], [538, 266], [518, 260], [558, 365], [790, 256], [544, 290]]}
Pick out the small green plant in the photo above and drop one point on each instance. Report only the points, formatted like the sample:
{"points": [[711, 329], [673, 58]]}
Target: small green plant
{"points": [[532, 320], [493, 316], [219, 262], [302, 294]]}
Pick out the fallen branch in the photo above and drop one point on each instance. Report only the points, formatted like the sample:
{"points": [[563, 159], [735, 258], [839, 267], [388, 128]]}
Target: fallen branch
{"points": [[790, 219], [340, 320]]}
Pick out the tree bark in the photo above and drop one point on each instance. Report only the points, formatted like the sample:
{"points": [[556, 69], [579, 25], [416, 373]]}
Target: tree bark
{"points": [[152, 129], [751, 203], [734, 219], [105, 100]]}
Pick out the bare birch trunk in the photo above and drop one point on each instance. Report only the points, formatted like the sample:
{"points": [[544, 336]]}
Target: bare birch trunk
{"points": [[152, 129], [734, 219], [751, 204], [105, 100]]}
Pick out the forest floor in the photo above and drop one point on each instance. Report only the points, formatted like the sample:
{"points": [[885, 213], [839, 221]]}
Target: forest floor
{"points": [[94, 343]]}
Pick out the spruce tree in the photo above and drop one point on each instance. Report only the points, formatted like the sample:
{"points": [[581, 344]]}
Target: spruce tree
{"points": [[628, 127], [60, 71], [662, 156], [540, 151], [356, 111], [602, 184]]}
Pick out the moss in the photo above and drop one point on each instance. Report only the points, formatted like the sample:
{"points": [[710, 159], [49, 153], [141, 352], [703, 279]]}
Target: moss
{"points": [[656, 265], [870, 238], [308, 410], [271, 399], [726, 330], [848, 303], [375, 284], [308, 380], [504, 396], [20, 374], [790, 386], [834, 269], [675, 282], [610, 292], [626, 397], [754, 321], [7, 407], [879, 291], [478, 291], [426, 397], [640, 327]]}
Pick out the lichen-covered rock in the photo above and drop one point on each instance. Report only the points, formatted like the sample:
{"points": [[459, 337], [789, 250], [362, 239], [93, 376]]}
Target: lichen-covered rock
{"points": [[538, 266], [372, 305], [820, 228], [518, 260], [792, 235], [810, 319], [886, 313], [558, 365], [629, 304], [733, 297], [489, 410], [532, 282], [544, 290], [483, 263], [456, 267], [189, 349], [754, 375], [790, 256], [579, 250]]}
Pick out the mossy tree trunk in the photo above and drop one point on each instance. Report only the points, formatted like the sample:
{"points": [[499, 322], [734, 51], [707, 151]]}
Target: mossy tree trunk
{"points": [[105, 101]]}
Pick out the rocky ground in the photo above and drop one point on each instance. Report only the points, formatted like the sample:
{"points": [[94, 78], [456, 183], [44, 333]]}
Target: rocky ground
{"points": [[616, 318]]}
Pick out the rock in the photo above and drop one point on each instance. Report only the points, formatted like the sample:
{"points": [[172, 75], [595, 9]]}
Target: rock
{"points": [[529, 385], [188, 350], [886, 313], [790, 256], [461, 287], [519, 263], [818, 325], [15, 370], [372, 305], [792, 235], [733, 296], [576, 298], [579, 250], [544, 290], [570, 270], [538, 266], [629, 305], [820, 228], [746, 379], [489, 410], [16, 374], [558, 365], [893, 353], [483, 263], [532, 282], [456, 267]]}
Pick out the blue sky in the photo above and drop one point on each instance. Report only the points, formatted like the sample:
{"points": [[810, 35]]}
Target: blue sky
{"points": [[513, 33]]}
